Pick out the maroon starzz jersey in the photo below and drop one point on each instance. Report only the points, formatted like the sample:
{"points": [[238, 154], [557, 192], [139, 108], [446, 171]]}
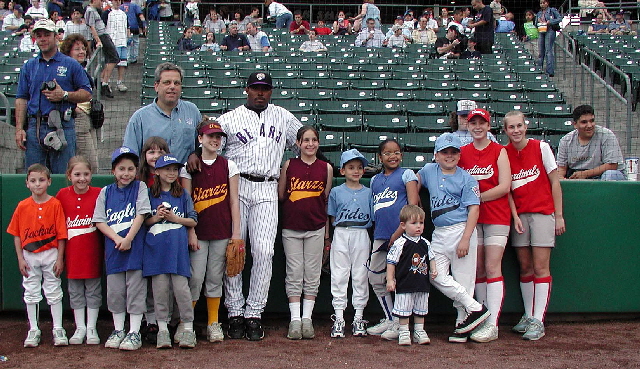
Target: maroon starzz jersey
{"points": [[305, 206], [210, 194]]}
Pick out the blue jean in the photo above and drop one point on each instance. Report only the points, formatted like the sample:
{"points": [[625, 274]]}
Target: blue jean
{"points": [[134, 48], [545, 50], [613, 175], [56, 161], [284, 20]]}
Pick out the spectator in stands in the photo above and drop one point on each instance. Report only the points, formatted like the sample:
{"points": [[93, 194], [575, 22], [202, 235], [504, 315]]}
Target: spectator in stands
{"points": [[548, 20], [210, 43], [37, 11], [398, 39], [28, 21], [299, 26], [28, 41], [590, 151], [102, 39], [258, 40], [253, 17], [186, 43], [506, 25], [76, 25], [458, 16], [238, 17], [280, 12], [13, 21], [342, 26], [471, 52], [164, 11], [235, 41], [443, 19], [3, 10], [409, 21], [136, 23], [531, 34], [119, 32], [56, 19], [598, 26], [451, 45], [466, 18], [400, 23], [168, 116], [321, 28], [367, 11], [483, 23], [54, 5], [497, 9], [431, 22], [213, 23], [459, 123], [191, 13], [313, 45], [370, 36], [423, 35], [619, 26], [593, 8], [42, 111]]}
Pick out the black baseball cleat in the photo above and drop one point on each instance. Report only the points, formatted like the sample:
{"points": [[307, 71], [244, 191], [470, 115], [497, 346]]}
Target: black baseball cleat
{"points": [[473, 320], [152, 333], [236, 327], [253, 329]]}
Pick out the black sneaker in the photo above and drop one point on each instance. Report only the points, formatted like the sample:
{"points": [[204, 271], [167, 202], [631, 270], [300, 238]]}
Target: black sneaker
{"points": [[473, 320], [106, 91], [236, 327], [152, 333], [253, 329], [458, 337]]}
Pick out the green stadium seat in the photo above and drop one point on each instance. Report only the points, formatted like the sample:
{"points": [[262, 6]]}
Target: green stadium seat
{"points": [[432, 95], [285, 93], [390, 123], [222, 73], [503, 96], [474, 85], [506, 86], [419, 141], [539, 86], [501, 68], [410, 75], [354, 95], [442, 86], [477, 96], [529, 77], [376, 68], [283, 67], [232, 93], [435, 123], [367, 141], [196, 93], [346, 75], [285, 74], [331, 141], [502, 77], [297, 106], [394, 95], [556, 125], [336, 107], [340, 122], [553, 140], [368, 84], [333, 84], [189, 82], [315, 94], [552, 110], [315, 74], [211, 106], [424, 108], [307, 119], [545, 97], [415, 160], [409, 84], [377, 107], [298, 84], [436, 68], [471, 76], [377, 75], [502, 108], [223, 83]]}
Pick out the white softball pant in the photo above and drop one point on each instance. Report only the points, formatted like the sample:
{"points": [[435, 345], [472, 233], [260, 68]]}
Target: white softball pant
{"points": [[349, 253], [208, 265], [303, 251], [41, 277], [258, 220]]}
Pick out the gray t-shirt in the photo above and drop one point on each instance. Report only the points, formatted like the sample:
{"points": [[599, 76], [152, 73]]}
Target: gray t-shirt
{"points": [[603, 148], [92, 19]]}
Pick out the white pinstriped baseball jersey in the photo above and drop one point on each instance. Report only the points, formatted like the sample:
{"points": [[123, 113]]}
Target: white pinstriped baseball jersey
{"points": [[256, 142]]}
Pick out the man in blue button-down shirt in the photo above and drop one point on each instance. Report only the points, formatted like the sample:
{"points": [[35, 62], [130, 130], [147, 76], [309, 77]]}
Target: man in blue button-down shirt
{"points": [[168, 116]]}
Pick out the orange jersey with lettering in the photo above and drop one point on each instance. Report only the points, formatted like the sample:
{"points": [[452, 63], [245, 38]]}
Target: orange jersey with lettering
{"points": [[39, 226]]}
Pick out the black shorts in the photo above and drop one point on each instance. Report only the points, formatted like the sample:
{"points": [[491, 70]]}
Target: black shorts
{"points": [[109, 50]]}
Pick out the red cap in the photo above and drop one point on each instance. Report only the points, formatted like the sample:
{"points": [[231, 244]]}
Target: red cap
{"points": [[213, 127], [479, 112]]}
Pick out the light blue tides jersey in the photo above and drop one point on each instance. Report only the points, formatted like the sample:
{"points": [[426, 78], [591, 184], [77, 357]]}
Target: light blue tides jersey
{"points": [[449, 194], [351, 208], [389, 196]]}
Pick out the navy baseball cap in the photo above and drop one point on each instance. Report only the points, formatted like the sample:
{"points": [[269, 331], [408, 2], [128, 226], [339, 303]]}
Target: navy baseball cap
{"points": [[259, 78], [350, 155], [166, 160], [18, 7], [447, 140], [123, 151]]}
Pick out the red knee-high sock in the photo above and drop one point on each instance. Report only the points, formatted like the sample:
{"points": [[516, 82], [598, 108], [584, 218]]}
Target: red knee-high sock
{"points": [[495, 297], [481, 290], [542, 292], [526, 287]]}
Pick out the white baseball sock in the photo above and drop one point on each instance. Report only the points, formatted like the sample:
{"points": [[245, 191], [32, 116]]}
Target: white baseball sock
{"points": [[307, 308], [495, 297], [387, 305], [339, 314], [135, 321], [294, 308], [56, 314], [92, 317], [32, 314], [542, 292], [118, 321], [359, 314], [481, 290], [79, 317], [526, 287]]}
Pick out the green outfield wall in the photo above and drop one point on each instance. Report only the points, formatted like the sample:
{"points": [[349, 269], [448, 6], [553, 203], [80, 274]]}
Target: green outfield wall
{"points": [[594, 266]]}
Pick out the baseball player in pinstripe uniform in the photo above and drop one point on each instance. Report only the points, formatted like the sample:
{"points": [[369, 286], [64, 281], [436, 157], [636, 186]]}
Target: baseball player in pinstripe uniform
{"points": [[257, 135]]}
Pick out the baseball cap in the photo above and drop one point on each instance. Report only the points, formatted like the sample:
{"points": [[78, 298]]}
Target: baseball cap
{"points": [[447, 140], [213, 127], [400, 17], [18, 7], [454, 28], [166, 160], [480, 112], [45, 24], [259, 78], [350, 155], [123, 151], [465, 106]]}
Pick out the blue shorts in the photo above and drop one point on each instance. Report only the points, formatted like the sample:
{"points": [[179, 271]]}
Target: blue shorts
{"points": [[123, 52]]}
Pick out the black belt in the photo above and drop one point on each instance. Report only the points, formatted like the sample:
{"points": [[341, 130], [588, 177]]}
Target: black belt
{"points": [[44, 118], [253, 178]]}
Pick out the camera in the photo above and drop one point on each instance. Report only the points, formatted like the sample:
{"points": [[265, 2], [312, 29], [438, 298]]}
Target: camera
{"points": [[48, 85]]}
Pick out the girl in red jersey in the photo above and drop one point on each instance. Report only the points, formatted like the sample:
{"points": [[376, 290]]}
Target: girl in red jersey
{"points": [[488, 163], [84, 252], [152, 149], [304, 187], [536, 206]]}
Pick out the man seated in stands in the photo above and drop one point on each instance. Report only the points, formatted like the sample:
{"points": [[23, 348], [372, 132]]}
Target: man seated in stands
{"points": [[471, 52], [423, 35], [599, 26], [313, 45], [370, 36], [620, 26], [397, 39], [590, 151], [409, 21], [506, 25], [457, 17], [451, 45], [400, 23], [321, 28], [258, 40], [235, 41], [299, 26]]}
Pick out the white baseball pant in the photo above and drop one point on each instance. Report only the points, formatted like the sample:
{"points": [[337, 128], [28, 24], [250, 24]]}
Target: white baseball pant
{"points": [[349, 254], [41, 277]]}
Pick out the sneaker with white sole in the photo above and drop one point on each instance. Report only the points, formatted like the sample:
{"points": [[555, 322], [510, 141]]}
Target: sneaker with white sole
{"points": [[33, 338], [337, 331], [92, 337], [485, 333], [474, 319], [179, 332], [122, 87], [295, 330], [60, 337], [522, 325], [458, 337], [421, 337], [404, 338], [307, 329], [391, 334], [78, 336], [115, 339], [380, 328], [359, 327], [163, 339], [132, 341], [535, 330], [214, 332], [188, 339]]}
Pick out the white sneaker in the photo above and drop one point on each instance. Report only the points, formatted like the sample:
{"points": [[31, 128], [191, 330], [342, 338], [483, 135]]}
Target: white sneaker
{"points": [[78, 336], [379, 328], [214, 332], [33, 338], [132, 341], [421, 337], [391, 334], [122, 87], [60, 337], [92, 337], [337, 330], [188, 339], [404, 338], [115, 339], [359, 327], [487, 332], [178, 334]]}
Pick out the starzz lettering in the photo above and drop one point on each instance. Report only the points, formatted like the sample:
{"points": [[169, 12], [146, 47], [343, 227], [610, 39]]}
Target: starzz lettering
{"points": [[204, 198]]}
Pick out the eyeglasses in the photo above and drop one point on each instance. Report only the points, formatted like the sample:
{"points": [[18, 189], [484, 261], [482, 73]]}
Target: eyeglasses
{"points": [[396, 153]]}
